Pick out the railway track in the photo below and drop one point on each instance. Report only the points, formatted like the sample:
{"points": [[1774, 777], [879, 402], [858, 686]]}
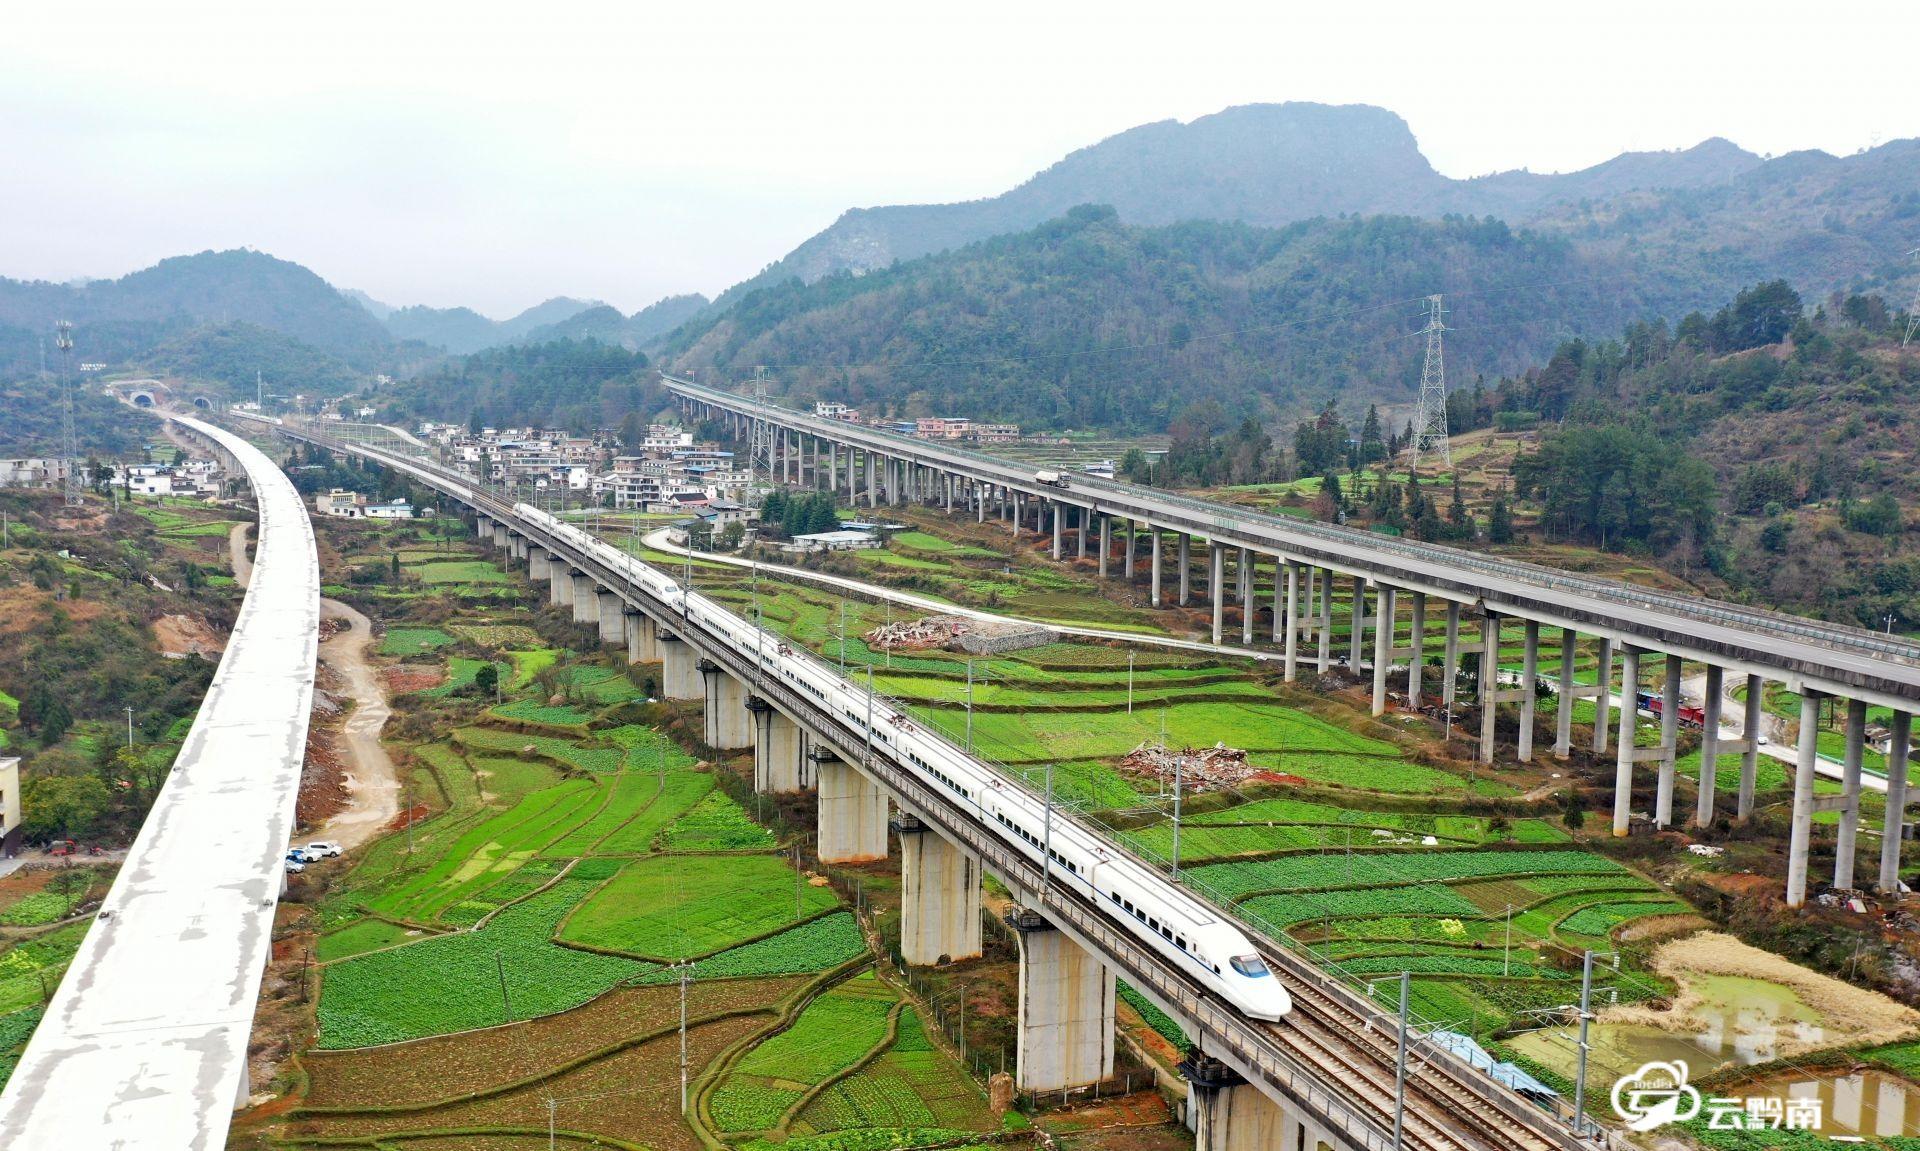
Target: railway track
{"points": [[1325, 1032]]}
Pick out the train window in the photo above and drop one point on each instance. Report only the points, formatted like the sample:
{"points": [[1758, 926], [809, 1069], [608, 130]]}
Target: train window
{"points": [[1250, 966]]}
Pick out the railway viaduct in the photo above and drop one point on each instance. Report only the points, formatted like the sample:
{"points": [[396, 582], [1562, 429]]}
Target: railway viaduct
{"points": [[1322, 1080], [1465, 595]]}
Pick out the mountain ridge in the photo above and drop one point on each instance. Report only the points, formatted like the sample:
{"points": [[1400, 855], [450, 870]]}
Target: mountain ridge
{"points": [[1272, 165]]}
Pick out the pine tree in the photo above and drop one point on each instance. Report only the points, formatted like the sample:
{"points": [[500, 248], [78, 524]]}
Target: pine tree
{"points": [[1500, 520]]}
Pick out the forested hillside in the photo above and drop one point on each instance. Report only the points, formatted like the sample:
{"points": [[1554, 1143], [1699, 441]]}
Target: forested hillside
{"points": [[1090, 322], [123, 318], [1763, 446], [579, 384]]}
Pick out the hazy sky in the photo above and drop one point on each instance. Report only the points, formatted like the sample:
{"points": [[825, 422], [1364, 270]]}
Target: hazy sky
{"points": [[494, 155]]}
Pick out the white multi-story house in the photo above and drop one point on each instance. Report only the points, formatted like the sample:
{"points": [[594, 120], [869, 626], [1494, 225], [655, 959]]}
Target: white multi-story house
{"points": [[149, 480]]}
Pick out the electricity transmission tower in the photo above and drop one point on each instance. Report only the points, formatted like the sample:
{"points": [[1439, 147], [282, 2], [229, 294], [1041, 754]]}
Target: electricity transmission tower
{"points": [[70, 444], [1913, 312], [761, 460], [1430, 422]]}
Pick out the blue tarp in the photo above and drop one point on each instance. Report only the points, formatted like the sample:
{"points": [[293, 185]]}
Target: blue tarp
{"points": [[1479, 1059]]}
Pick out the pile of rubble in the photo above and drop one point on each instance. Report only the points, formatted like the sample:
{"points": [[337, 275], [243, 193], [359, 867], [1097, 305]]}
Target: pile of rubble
{"points": [[913, 635], [1199, 770]]}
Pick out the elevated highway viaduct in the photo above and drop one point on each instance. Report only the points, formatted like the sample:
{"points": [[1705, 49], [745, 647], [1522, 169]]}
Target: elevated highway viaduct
{"points": [[1323, 1077], [144, 1043], [1468, 595]]}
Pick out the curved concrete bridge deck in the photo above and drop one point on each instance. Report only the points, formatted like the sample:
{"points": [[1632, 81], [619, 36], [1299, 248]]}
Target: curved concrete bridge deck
{"points": [[144, 1045]]}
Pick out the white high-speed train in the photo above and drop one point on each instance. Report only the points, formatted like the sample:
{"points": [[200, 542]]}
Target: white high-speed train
{"points": [[1157, 912]]}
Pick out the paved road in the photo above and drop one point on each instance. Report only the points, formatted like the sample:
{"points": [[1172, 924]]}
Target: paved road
{"points": [[658, 541]]}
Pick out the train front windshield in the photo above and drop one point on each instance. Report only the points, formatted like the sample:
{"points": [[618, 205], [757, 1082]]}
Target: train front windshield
{"points": [[1250, 966]]}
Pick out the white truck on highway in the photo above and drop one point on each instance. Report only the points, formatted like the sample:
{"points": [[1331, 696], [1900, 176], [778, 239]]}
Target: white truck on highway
{"points": [[1050, 478]]}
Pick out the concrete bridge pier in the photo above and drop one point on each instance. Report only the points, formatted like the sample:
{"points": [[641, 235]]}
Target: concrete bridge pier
{"points": [[1845, 839], [1229, 1114], [1490, 694], [1450, 657], [1247, 582], [1382, 647], [643, 638], [1628, 754], [1133, 551], [1669, 743], [1416, 651], [1066, 1026], [1356, 637], [1185, 561], [727, 728], [852, 812], [500, 535], [1897, 751], [1292, 619], [1216, 586], [483, 529], [780, 762], [939, 896], [679, 669], [516, 546], [1563, 719], [1106, 543], [1056, 508], [1800, 840], [538, 567], [586, 605], [613, 624], [1529, 695], [1326, 619], [1282, 614], [1153, 561], [1750, 747], [559, 584]]}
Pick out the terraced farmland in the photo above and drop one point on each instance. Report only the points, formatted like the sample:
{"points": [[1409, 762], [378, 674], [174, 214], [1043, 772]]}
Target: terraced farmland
{"points": [[1354, 848]]}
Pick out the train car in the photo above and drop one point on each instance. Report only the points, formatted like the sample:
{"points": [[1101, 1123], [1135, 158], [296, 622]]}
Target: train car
{"points": [[1154, 911]]}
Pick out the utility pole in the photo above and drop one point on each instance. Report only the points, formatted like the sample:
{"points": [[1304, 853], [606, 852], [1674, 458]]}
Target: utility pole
{"points": [[1046, 853], [686, 969], [1430, 421], [1400, 1069], [129, 711], [969, 705], [1580, 1075], [1178, 761], [1506, 964], [1129, 681], [500, 967], [552, 1105]]}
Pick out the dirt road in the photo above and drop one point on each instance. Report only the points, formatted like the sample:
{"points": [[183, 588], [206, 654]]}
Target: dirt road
{"points": [[237, 552], [372, 782]]}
